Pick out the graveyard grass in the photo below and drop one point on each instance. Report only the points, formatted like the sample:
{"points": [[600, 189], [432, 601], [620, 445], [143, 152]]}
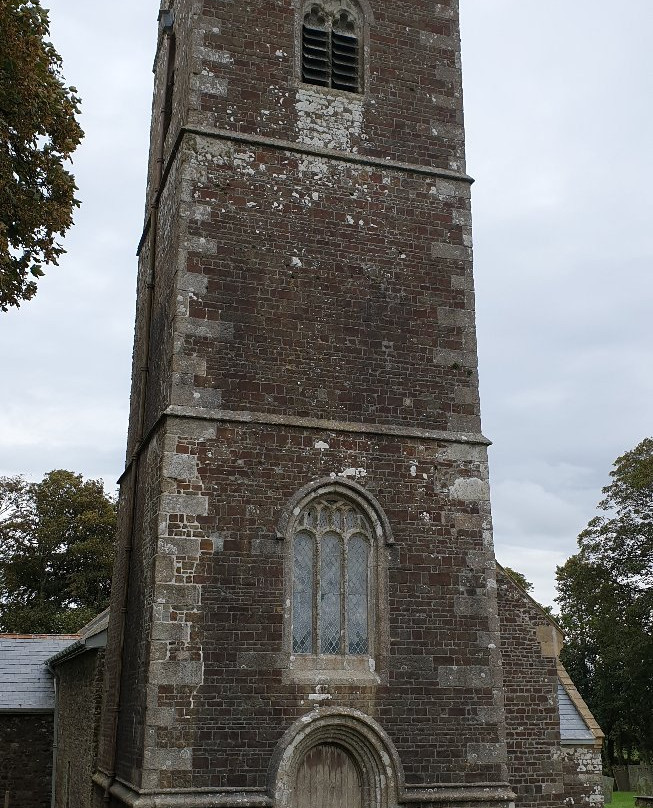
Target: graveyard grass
{"points": [[622, 799]]}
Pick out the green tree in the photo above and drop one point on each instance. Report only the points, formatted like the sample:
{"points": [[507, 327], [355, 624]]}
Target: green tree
{"points": [[519, 578], [56, 552], [606, 602], [38, 134]]}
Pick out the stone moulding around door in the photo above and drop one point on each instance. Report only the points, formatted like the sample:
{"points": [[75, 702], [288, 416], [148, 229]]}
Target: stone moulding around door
{"points": [[360, 736], [377, 759]]}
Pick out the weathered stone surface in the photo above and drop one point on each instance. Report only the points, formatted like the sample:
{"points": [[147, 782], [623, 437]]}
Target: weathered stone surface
{"points": [[26, 760], [79, 685], [312, 320]]}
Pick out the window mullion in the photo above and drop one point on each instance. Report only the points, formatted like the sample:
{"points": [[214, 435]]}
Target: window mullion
{"points": [[344, 585], [317, 638], [330, 51]]}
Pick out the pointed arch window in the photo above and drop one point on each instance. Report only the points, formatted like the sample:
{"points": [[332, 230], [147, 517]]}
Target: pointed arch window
{"points": [[332, 557], [331, 48]]}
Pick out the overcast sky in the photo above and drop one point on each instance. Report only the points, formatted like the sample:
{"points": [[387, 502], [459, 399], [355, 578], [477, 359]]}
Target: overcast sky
{"points": [[559, 126]]}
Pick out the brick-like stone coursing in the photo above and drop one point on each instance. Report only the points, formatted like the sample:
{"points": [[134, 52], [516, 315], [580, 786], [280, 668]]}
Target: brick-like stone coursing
{"points": [[79, 685], [26, 760], [296, 277]]}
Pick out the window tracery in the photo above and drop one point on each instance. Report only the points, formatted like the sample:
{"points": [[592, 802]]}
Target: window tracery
{"points": [[332, 556]]}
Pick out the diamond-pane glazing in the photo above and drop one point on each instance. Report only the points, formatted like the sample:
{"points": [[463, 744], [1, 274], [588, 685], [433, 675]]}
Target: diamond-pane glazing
{"points": [[330, 578], [302, 606], [357, 609]]}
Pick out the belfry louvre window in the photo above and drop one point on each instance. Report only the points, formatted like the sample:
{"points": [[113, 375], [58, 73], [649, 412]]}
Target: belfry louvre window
{"points": [[331, 50], [332, 546]]}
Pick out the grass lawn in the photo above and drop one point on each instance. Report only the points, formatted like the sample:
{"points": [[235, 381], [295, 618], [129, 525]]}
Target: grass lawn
{"points": [[622, 799]]}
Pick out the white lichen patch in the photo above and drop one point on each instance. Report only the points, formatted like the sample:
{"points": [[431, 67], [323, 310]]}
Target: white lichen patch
{"points": [[243, 163], [321, 445], [471, 489], [354, 473], [328, 122]]}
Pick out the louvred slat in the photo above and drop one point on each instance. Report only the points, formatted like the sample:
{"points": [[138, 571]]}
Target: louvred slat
{"points": [[344, 62], [315, 56]]}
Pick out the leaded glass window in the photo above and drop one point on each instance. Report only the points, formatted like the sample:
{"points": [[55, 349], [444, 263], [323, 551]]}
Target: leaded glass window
{"points": [[330, 579], [357, 576], [332, 547], [303, 562]]}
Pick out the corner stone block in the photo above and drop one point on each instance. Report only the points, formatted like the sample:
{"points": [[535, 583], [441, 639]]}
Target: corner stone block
{"points": [[193, 282], [210, 329], [171, 632], [190, 504], [188, 396], [471, 605], [211, 84], [183, 363], [203, 246], [470, 489], [180, 466], [487, 753], [177, 673], [472, 676], [175, 546], [451, 252], [177, 594], [171, 759], [489, 715], [164, 569]]}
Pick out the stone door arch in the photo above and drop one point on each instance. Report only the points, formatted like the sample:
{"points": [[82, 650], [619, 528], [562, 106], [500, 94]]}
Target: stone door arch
{"points": [[335, 758]]}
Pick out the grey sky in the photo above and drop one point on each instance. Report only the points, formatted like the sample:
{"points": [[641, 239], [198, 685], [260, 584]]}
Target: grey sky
{"points": [[559, 126]]}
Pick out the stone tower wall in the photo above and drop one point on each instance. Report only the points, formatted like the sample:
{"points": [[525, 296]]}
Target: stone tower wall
{"points": [[308, 315]]}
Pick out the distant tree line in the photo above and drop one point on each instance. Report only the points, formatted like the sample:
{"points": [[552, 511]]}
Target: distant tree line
{"points": [[606, 610]]}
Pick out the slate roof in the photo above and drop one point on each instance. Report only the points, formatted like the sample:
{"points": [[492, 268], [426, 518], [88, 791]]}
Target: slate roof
{"points": [[572, 724], [25, 682], [567, 733]]}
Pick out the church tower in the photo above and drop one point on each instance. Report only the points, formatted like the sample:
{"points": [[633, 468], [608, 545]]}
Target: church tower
{"points": [[304, 607]]}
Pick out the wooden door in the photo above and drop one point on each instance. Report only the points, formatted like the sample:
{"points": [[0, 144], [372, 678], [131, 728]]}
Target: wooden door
{"points": [[327, 778]]}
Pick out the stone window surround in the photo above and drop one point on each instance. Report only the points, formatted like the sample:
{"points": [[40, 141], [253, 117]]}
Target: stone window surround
{"points": [[332, 669], [362, 10]]}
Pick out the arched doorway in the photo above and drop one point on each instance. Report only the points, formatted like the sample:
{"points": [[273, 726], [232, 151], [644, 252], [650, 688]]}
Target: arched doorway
{"points": [[335, 757], [327, 777]]}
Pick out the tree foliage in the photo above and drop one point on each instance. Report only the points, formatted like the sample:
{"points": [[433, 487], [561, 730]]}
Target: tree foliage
{"points": [[56, 552], [606, 601], [519, 578], [38, 134]]}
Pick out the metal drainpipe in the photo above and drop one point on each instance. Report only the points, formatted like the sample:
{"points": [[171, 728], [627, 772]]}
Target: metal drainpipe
{"points": [[114, 706], [55, 740]]}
